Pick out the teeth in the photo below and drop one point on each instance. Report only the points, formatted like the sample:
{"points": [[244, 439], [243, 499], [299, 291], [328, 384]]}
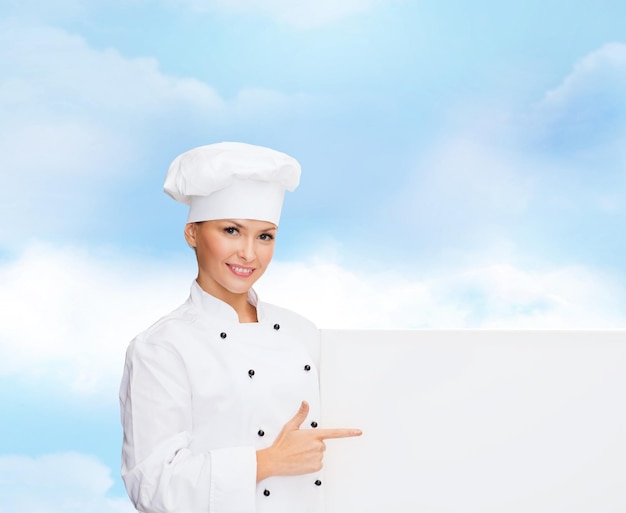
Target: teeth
{"points": [[241, 270]]}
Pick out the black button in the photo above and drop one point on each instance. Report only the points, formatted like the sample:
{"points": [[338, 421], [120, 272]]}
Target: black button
{"points": [[318, 483], [277, 326], [223, 334], [251, 372], [307, 367], [313, 424], [266, 492], [260, 432]]}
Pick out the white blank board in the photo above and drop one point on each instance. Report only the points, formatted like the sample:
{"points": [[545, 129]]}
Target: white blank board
{"points": [[475, 421]]}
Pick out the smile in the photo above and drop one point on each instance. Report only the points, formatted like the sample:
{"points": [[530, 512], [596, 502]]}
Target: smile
{"points": [[240, 271]]}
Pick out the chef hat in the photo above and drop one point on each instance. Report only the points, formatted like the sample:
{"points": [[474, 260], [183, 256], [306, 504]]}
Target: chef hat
{"points": [[232, 180]]}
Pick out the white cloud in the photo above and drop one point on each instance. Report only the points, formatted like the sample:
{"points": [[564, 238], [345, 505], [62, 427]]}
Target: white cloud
{"points": [[494, 296], [71, 115], [53, 75], [502, 296], [603, 70], [50, 74], [77, 119], [68, 313], [588, 107], [58, 483], [303, 14], [499, 175]]}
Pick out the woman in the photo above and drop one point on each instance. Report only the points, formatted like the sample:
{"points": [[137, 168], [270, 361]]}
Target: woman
{"points": [[220, 398]]}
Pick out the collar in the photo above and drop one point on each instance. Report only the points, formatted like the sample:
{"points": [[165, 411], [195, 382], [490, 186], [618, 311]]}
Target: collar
{"points": [[215, 307]]}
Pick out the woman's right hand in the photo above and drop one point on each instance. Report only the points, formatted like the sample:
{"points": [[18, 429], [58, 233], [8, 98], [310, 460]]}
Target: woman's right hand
{"points": [[297, 451]]}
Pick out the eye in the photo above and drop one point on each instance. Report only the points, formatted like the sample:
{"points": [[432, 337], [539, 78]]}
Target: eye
{"points": [[266, 236], [231, 230]]}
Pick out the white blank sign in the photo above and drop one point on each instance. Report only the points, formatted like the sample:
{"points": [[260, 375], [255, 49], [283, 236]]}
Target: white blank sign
{"points": [[475, 421]]}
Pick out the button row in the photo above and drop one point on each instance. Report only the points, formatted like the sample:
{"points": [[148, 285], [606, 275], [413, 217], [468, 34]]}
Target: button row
{"points": [[252, 372], [260, 432], [223, 334], [266, 492]]}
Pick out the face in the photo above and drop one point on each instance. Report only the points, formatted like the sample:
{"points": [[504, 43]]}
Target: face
{"points": [[232, 254]]}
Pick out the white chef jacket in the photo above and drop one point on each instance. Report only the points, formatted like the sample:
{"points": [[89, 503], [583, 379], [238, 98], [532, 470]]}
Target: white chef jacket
{"points": [[201, 393]]}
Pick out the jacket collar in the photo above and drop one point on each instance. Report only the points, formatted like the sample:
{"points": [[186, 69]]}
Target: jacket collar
{"points": [[214, 307]]}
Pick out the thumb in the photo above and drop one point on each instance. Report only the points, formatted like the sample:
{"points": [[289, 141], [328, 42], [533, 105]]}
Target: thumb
{"points": [[299, 417]]}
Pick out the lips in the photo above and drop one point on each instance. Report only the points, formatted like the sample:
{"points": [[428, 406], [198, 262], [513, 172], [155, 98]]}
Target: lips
{"points": [[240, 270]]}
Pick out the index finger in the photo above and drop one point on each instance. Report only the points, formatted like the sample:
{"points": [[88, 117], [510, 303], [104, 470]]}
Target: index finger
{"points": [[323, 434]]}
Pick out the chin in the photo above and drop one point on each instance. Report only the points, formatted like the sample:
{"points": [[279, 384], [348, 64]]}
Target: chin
{"points": [[239, 288]]}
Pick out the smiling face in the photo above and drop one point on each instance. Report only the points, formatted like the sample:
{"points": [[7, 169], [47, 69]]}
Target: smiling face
{"points": [[232, 254]]}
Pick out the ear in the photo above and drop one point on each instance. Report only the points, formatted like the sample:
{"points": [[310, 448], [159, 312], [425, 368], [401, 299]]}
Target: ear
{"points": [[191, 230]]}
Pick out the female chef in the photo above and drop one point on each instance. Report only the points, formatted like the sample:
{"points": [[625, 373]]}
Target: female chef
{"points": [[220, 398]]}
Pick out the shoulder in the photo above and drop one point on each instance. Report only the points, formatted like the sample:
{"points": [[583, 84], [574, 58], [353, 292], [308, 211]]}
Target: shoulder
{"points": [[167, 331], [155, 355]]}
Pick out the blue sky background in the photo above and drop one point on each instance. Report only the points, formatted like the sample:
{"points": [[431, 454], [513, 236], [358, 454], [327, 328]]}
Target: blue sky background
{"points": [[463, 167]]}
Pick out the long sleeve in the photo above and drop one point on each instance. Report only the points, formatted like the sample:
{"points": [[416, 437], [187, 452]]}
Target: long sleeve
{"points": [[162, 474]]}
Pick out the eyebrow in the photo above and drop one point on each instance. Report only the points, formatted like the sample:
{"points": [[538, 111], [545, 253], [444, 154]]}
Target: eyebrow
{"points": [[239, 225]]}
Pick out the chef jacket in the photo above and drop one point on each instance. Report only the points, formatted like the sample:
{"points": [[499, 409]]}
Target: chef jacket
{"points": [[201, 393]]}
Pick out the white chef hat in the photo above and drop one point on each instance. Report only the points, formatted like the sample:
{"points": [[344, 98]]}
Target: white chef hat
{"points": [[232, 180]]}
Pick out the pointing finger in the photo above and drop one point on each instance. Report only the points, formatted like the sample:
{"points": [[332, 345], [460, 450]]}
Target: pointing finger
{"points": [[323, 434]]}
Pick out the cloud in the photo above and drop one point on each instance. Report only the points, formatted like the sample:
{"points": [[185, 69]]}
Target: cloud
{"points": [[80, 124], [541, 177], [48, 68], [58, 483], [304, 14], [493, 296], [71, 115], [578, 130], [502, 296], [588, 107], [69, 313]]}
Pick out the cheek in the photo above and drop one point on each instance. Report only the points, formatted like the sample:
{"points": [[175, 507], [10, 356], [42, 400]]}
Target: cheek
{"points": [[213, 250], [267, 253]]}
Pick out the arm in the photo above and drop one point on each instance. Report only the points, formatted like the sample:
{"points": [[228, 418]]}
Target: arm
{"points": [[161, 473]]}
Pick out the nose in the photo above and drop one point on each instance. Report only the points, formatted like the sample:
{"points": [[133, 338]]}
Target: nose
{"points": [[247, 250]]}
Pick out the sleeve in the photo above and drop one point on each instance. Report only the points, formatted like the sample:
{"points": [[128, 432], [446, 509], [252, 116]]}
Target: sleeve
{"points": [[161, 473]]}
